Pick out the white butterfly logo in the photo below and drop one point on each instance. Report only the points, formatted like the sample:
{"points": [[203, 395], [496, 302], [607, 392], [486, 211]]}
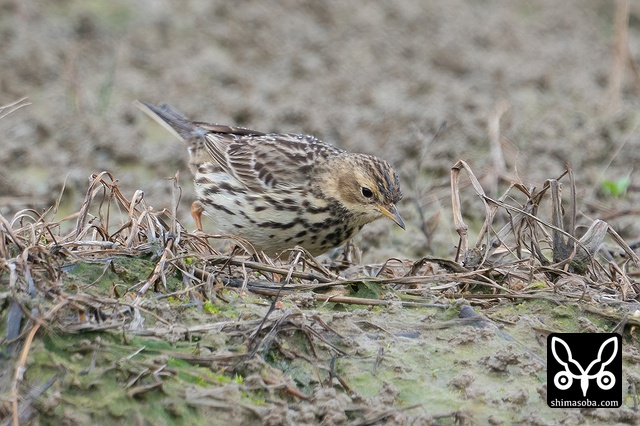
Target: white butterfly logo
{"points": [[564, 379]]}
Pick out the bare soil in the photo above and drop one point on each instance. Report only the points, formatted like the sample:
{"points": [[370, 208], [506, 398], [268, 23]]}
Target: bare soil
{"points": [[419, 83]]}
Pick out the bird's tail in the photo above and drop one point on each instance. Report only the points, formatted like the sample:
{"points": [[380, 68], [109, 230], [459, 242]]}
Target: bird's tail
{"points": [[171, 119]]}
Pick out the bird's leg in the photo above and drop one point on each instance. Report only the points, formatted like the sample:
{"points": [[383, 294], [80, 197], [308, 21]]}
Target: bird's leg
{"points": [[196, 213]]}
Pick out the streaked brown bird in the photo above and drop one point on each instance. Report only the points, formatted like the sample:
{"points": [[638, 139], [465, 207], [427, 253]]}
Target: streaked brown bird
{"points": [[281, 190]]}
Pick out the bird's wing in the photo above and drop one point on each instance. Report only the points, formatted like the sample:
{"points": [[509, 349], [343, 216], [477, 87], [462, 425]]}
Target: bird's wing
{"points": [[260, 161], [263, 162]]}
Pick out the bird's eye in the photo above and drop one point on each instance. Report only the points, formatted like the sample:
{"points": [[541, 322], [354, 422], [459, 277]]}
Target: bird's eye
{"points": [[367, 192]]}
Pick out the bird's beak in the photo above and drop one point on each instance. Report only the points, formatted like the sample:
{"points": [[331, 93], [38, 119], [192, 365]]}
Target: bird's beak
{"points": [[391, 212]]}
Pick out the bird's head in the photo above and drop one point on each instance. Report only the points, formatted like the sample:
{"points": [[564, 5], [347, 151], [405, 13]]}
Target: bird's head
{"points": [[366, 186]]}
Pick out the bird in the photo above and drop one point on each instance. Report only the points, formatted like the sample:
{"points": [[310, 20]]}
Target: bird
{"points": [[278, 191]]}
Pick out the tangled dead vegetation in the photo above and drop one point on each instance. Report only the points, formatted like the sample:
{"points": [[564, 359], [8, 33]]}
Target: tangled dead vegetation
{"points": [[517, 256]]}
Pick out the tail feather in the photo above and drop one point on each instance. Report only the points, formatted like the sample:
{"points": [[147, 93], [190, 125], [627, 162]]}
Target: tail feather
{"points": [[185, 129], [171, 119]]}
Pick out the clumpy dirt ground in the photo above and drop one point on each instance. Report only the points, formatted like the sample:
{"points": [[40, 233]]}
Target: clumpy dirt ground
{"points": [[419, 83]]}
